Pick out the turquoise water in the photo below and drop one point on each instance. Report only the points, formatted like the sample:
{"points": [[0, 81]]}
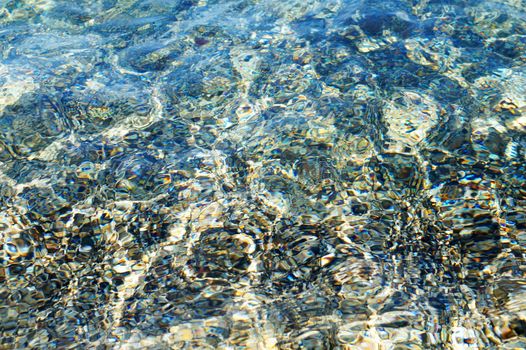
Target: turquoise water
{"points": [[270, 174]]}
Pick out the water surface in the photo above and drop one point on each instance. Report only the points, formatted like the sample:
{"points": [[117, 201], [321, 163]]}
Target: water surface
{"points": [[247, 174]]}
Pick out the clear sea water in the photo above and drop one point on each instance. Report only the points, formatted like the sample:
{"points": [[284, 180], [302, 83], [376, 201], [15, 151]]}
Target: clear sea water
{"points": [[263, 174]]}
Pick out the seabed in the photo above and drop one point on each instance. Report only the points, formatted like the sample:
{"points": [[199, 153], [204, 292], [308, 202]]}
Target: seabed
{"points": [[263, 174]]}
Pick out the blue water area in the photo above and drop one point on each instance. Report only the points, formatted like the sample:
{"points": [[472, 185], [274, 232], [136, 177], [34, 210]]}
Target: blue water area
{"points": [[262, 174]]}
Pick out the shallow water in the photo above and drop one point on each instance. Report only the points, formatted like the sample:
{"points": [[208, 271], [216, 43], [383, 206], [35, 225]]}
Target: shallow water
{"points": [[246, 174]]}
